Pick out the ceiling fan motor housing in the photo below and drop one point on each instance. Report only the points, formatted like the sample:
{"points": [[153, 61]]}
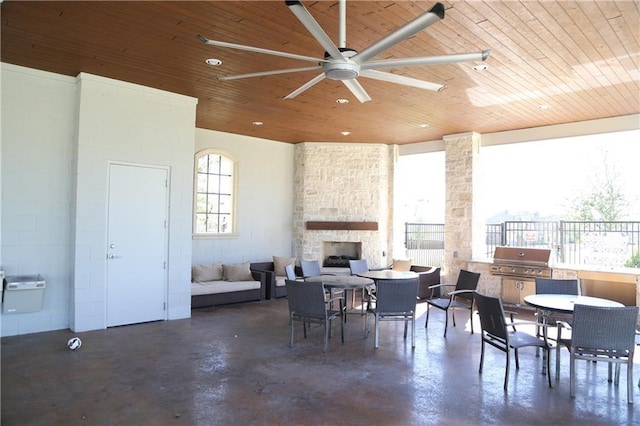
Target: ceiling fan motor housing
{"points": [[338, 69]]}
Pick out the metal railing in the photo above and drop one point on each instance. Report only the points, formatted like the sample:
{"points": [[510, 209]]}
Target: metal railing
{"points": [[595, 243]]}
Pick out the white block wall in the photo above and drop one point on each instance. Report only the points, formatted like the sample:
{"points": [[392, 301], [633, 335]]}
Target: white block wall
{"points": [[37, 155], [264, 205], [119, 121]]}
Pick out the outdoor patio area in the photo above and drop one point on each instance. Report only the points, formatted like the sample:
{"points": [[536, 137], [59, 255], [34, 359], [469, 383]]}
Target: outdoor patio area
{"points": [[232, 365]]}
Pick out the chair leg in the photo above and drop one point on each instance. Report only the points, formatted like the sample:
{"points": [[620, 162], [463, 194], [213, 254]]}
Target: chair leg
{"points": [[446, 321], [558, 360], [515, 353], [453, 316], [405, 328], [290, 333], [506, 372], [481, 356], [471, 317], [427, 323], [572, 375], [548, 351], [630, 381], [326, 336], [413, 331], [377, 331]]}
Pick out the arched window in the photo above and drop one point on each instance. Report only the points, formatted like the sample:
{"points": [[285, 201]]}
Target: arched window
{"points": [[215, 175]]}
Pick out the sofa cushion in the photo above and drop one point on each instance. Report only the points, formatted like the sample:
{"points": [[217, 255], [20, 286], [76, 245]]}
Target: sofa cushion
{"points": [[401, 265], [217, 287], [237, 272], [280, 262], [202, 273]]}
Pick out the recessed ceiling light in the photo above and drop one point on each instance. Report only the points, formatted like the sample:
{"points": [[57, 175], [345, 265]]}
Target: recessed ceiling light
{"points": [[345, 133], [213, 62], [342, 101], [423, 126], [545, 106], [481, 67], [257, 123]]}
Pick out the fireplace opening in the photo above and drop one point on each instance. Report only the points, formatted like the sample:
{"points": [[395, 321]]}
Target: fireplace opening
{"points": [[337, 254]]}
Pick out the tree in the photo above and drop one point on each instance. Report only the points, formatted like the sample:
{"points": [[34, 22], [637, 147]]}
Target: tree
{"points": [[603, 198]]}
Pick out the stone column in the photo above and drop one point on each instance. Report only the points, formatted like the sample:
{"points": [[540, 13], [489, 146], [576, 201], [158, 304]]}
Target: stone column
{"points": [[462, 228]]}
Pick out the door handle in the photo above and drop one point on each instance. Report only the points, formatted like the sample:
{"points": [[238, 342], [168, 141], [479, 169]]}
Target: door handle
{"points": [[113, 256]]}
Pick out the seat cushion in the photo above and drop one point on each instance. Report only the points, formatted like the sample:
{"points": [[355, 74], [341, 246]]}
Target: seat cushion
{"points": [[280, 262], [401, 265], [237, 272], [203, 273]]}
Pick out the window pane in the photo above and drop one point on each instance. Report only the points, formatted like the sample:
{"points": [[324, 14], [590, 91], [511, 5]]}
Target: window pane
{"points": [[201, 203], [226, 184], [212, 205], [202, 183], [225, 204], [226, 166], [212, 223], [201, 223], [224, 224], [213, 184], [214, 164], [202, 164]]}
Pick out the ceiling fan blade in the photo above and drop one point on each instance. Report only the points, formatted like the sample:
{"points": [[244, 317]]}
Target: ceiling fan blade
{"points": [[306, 86], [400, 79], [264, 73], [257, 50], [357, 90], [410, 28], [427, 60], [314, 28]]}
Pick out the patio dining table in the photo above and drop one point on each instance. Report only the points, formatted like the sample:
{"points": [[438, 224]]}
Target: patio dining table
{"points": [[548, 304]]}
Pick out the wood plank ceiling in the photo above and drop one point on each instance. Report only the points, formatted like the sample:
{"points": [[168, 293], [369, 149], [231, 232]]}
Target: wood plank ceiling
{"points": [[580, 58]]}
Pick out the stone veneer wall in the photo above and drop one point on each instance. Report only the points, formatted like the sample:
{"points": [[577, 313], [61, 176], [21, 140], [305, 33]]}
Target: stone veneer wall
{"points": [[343, 182]]}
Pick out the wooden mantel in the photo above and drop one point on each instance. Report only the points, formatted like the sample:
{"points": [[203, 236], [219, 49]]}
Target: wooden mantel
{"points": [[342, 226]]}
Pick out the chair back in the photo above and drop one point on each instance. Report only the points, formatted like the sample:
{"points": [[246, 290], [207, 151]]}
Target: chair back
{"points": [[306, 299], [556, 286], [604, 328], [396, 296], [310, 268], [290, 272], [467, 281], [492, 319], [358, 266]]}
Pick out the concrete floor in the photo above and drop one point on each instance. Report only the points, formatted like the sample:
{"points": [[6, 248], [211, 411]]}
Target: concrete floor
{"points": [[232, 366]]}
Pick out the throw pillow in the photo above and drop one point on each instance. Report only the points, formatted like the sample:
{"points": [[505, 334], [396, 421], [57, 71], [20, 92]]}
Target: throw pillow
{"points": [[204, 273], [279, 264], [238, 272], [401, 265]]}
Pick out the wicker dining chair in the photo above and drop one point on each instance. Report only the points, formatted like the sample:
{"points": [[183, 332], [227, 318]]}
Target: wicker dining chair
{"points": [[600, 334], [460, 297], [307, 304], [555, 286], [395, 301], [495, 330]]}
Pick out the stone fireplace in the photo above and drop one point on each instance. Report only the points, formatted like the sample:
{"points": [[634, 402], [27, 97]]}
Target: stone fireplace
{"points": [[348, 185]]}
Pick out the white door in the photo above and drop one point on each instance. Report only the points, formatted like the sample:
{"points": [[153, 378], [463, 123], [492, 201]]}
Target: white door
{"points": [[136, 244]]}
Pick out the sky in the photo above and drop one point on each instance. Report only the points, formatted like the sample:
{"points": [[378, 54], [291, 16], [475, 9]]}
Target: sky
{"points": [[534, 176]]}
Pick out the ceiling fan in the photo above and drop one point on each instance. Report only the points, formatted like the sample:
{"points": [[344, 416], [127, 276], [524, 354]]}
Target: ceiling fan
{"points": [[345, 64]]}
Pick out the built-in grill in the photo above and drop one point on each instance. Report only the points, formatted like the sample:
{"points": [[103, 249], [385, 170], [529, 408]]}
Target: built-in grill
{"points": [[521, 262], [519, 267]]}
